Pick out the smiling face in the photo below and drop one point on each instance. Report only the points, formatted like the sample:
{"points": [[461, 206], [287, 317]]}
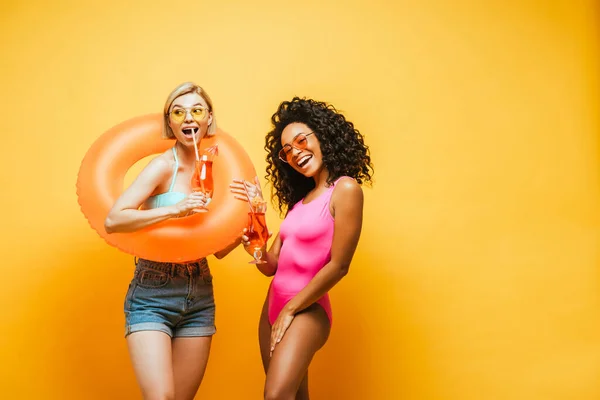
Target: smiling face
{"points": [[189, 116], [302, 149]]}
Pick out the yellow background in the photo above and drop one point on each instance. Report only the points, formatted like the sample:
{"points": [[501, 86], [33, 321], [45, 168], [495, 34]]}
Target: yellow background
{"points": [[477, 274]]}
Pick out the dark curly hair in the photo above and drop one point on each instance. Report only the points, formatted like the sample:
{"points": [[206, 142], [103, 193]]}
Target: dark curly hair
{"points": [[343, 148]]}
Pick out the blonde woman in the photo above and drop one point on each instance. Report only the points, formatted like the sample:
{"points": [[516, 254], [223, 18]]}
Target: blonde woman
{"points": [[169, 308]]}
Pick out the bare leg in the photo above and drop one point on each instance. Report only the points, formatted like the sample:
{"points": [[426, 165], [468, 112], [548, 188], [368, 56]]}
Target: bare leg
{"points": [[264, 335], [150, 353], [303, 391], [190, 356], [288, 366]]}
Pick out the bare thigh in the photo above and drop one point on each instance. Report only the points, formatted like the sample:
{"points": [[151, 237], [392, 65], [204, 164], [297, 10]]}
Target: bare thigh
{"points": [[151, 356], [264, 339], [287, 369], [302, 393], [264, 334], [190, 357]]}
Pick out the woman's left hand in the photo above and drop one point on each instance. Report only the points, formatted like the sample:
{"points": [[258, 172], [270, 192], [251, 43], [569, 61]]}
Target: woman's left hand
{"points": [[280, 326], [244, 190]]}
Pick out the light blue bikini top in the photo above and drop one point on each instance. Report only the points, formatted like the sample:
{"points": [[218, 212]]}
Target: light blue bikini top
{"points": [[168, 198]]}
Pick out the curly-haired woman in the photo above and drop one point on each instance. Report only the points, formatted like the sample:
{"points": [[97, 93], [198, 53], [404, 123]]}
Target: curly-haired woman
{"points": [[317, 162]]}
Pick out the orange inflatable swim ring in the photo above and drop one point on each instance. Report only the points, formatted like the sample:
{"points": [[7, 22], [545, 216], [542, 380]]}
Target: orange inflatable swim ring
{"points": [[100, 183]]}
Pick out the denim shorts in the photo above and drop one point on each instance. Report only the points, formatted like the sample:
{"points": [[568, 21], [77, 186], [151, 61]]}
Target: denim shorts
{"points": [[176, 299]]}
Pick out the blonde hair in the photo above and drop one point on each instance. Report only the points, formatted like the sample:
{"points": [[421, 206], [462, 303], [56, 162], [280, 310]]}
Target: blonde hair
{"points": [[185, 88]]}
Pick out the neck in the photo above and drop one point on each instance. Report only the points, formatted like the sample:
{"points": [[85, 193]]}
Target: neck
{"points": [[321, 178], [186, 154]]}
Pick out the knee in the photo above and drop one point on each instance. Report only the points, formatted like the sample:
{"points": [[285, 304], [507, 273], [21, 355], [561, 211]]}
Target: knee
{"points": [[160, 395], [278, 392]]}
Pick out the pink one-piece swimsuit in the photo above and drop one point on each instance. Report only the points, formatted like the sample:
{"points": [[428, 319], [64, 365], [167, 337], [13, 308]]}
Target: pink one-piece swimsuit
{"points": [[306, 236]]}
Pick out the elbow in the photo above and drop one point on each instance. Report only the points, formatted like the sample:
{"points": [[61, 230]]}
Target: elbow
{"points": [[269, 268], [267, 272], [343, 270], [109, 225], [219, 255], [266, 269]]}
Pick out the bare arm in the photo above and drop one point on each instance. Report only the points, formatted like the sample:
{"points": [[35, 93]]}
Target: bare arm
{"points": [[347, 206], [347, 203], [222, 253], [125, 215]]}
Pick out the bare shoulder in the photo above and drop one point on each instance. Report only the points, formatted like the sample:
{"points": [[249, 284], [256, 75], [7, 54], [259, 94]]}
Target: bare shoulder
{"points": [[347, 191], [162, 163], [165, 158], [157, 170], [347, 187]]}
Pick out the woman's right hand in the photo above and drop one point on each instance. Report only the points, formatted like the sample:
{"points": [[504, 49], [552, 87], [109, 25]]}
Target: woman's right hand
{"points": [[185, 206]]}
